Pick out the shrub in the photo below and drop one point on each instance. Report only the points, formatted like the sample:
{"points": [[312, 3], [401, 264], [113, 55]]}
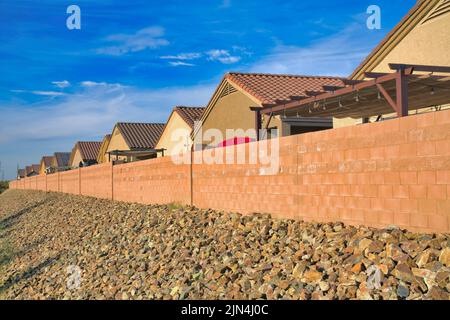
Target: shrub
{"points": [[3, 186]]}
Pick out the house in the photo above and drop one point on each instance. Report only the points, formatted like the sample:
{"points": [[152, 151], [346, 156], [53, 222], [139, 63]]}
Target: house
{"points": [[178, 129], [229, 107], [61, 161], [84, 153], [102, 155], [420, 38], [134, 141], [46, 164], [32, 170], [20, 174]]}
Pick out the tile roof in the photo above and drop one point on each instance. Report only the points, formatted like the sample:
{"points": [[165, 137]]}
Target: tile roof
{"points": [[190, 114], [47, 161], [141, 135], [89, 149], [62, 159], [272, 88], [34, 168]]}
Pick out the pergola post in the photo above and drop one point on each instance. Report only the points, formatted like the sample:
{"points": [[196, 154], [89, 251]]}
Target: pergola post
{"points": [[401, 83], [258, 123]]}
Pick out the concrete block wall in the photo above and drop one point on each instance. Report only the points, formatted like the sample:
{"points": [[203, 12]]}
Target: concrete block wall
{"points": [[96, 181], [156, 181], [69, 181], [391, 172]]}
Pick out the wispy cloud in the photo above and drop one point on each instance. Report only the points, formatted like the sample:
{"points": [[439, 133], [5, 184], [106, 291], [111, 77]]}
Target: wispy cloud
{"points": [[40, 93], [222, 56], [147, 38], [183, 56], [337, 55], [91, 84], [181, 64], [61, 84], [92, 111]]}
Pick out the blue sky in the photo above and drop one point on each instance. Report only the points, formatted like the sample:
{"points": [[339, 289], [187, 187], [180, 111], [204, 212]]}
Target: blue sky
{"points": [[134, 60]]}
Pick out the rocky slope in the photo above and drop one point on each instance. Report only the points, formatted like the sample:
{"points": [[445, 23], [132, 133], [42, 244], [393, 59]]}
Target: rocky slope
{"points": [[62, 246]]}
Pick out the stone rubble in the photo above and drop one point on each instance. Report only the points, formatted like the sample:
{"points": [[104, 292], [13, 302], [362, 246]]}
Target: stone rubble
{"points": [[57, 246]]}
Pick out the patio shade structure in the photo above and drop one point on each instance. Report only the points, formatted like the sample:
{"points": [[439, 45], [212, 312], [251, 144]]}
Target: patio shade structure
{"points": [[136, 153], [408, 87]]}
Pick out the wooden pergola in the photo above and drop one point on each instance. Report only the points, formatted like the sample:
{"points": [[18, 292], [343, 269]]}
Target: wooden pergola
{"points": [[408, 87]]}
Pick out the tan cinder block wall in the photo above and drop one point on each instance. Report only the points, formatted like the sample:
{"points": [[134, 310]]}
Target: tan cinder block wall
{"points": [[152, 181], [53, 182], [378, 174], [69, 181], [41, 182], [392, 172], [96, 181]]}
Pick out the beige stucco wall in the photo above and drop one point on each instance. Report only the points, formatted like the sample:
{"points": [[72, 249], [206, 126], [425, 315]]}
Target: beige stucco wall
{"points": [[117, 141], [42, 168], [175, 122], [426, 44], [103, 156], [232, 112], [76, 159]]}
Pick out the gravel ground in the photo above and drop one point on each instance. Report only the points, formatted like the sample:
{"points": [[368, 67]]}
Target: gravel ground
{"points": [[56, 246]]}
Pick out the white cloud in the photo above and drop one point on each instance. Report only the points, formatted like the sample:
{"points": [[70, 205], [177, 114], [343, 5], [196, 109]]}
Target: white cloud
{"points": [[47, 93], [336, 55], [222, 56], [183, 56], [40, 93], [181, 64], [147, 38], [92, 112], [61, 84]]}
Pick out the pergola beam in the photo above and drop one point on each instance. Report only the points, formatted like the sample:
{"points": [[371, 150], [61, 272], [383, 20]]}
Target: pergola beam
{"points": [[401, 84], [258, 124], [387, 97], [419, 68], [374, 75]]}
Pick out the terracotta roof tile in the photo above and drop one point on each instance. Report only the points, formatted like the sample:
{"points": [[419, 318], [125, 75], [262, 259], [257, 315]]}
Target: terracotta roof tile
{"points": [[62, 159], [47, 161], [141, 135], [190, 114], [89, 149], [268, 88]]}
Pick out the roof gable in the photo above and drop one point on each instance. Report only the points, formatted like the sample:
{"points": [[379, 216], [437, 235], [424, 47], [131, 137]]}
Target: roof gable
{"points": [[103, 148], [269, 89], [47, 161]]}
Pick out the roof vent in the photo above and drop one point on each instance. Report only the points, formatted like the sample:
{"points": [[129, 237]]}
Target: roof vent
{"points": [[441, 9], [229, 89]]}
